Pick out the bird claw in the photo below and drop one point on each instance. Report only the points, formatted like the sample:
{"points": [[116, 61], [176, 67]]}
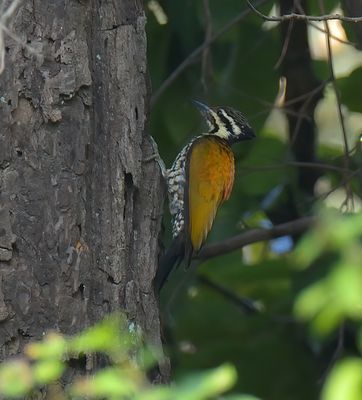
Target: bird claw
{"points": [[156, 157]]}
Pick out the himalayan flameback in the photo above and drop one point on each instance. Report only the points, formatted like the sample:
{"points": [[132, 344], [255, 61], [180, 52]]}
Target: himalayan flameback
{"points": [[199, 181]]}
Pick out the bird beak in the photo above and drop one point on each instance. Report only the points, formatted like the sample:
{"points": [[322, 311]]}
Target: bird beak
{"points": [[203, 108]]}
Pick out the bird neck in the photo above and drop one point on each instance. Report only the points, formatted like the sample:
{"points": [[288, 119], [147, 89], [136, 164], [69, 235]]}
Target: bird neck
{"points": [[219, 138]]}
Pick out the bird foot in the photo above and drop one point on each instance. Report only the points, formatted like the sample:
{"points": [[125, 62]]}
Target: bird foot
{"points": [[156, 157]]}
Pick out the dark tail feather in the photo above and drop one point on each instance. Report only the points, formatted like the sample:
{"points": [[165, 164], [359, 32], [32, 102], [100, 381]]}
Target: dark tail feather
{"points": [[172, 258]]}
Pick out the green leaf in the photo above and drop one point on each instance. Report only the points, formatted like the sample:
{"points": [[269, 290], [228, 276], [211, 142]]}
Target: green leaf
{"points": [[330, 300], [310, 248], [345, 381], [349, 95], [15, 378], [203, 385], [110, 336], [53, 345], [110, 382], [48, 371], [155, 393]]}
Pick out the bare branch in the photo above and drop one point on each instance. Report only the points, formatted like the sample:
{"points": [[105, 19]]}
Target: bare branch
{"points": [[256, 235], [303, 17]]}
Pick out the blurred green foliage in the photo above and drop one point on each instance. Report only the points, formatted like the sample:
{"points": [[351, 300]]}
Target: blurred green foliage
{"points": [[305, 342], [329, 301], [262, 344], [125, 377], [308, 296]]}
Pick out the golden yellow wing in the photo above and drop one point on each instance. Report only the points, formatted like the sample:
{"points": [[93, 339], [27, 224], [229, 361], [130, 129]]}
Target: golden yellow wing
{"points": [[210, 171]]}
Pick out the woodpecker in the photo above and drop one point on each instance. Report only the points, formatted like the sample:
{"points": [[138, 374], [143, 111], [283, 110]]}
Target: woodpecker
{"points": [[199, 181]]}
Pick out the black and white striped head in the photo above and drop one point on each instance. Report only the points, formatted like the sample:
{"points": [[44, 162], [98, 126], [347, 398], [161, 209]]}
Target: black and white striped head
{"points": [[225, 122]]}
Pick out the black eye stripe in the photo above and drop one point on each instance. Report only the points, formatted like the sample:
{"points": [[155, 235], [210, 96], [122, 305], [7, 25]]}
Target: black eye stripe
{"points": [[226, 122], [213, 123]]}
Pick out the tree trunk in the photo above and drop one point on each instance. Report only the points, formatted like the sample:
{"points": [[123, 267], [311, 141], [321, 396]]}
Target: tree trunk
{"points": [[80, 205], [303, 91]]}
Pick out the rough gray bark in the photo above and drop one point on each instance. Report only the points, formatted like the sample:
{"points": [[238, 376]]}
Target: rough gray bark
{"points": [[80, 205]]}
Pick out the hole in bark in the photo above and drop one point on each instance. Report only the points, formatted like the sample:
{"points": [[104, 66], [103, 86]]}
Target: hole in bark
{"points": [[78, 363], [105, 43], [128, 183], [9, 102], [81, 288], [7, 49], [128, 180], [136, 112], [19, 153], [15, 248], [23, 332], [87, 151], [154, 373], [79, 226]]}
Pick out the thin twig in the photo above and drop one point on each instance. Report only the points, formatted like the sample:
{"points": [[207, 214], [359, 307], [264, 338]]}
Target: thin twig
{"points": [[273, 106], [334, 37], [336, 354], [285, 45], [339, 105], [256, 235], [308, 99], [307, 95], [248, 306], [303, 17], [339, 185], [191, 57]]}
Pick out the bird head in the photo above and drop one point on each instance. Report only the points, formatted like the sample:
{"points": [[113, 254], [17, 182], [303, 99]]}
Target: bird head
{"points": [[226, 123]]}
